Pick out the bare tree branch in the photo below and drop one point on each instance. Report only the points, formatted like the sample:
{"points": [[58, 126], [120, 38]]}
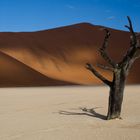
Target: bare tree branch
{"points": [[97, 74], [130, 28], [137, 53], [134, 44], [105, 67], [103, 52]]}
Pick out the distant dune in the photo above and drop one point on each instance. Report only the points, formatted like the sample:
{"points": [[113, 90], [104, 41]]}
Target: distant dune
{"points": [[60, 54]]}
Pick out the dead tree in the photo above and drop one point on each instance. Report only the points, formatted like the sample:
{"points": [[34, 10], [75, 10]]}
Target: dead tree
{"points": [[120, 71]]}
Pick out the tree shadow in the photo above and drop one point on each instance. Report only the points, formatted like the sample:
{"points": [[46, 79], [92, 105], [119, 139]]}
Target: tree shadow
{"points": [[87, 112]]}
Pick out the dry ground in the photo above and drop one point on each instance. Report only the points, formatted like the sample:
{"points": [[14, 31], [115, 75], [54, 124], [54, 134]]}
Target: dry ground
{"points": [[66, 113]]}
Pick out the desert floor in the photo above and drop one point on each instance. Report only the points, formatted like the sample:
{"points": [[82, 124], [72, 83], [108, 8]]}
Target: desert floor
{"points": [[66, 113]]}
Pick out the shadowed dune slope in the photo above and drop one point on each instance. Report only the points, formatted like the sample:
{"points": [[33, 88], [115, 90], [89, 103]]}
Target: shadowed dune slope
{"points": [[14, 73], [61, 53]]}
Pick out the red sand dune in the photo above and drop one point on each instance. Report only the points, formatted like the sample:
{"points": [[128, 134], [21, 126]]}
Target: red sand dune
{"points": [[14, 73], [61, 53]]}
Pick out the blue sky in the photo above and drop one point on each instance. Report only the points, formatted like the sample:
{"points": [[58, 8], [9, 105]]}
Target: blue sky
{"points": [[32, 15]]}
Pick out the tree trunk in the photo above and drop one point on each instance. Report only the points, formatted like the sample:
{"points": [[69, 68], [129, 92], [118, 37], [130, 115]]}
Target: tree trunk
{"points": [[116, 95]]}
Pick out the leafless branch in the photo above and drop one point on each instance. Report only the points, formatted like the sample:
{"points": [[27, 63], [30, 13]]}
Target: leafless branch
{"points": [[134, 44], [103, 52], [105, 67], [97, 74], [130, 28]]}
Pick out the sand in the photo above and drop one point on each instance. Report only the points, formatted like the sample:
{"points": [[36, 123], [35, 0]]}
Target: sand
{"points": [[16, 74], [61, 54], [63, 113]]}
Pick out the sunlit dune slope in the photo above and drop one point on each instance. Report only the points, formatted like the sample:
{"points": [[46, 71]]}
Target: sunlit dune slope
{"points": [[62, 53], [14, 73]]}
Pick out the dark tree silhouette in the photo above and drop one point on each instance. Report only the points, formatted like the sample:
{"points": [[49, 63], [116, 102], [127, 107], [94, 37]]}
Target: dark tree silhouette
{"points": [[120, 71]]}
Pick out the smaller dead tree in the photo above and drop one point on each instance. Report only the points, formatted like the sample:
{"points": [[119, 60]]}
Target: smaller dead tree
{"points": [[120, 71]]}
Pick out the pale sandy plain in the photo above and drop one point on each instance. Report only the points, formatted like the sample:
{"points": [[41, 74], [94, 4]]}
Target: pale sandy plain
{"points": [[66, 113]]}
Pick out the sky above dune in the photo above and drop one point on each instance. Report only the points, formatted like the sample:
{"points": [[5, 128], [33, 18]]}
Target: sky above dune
{"points": [[32, 15]]}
